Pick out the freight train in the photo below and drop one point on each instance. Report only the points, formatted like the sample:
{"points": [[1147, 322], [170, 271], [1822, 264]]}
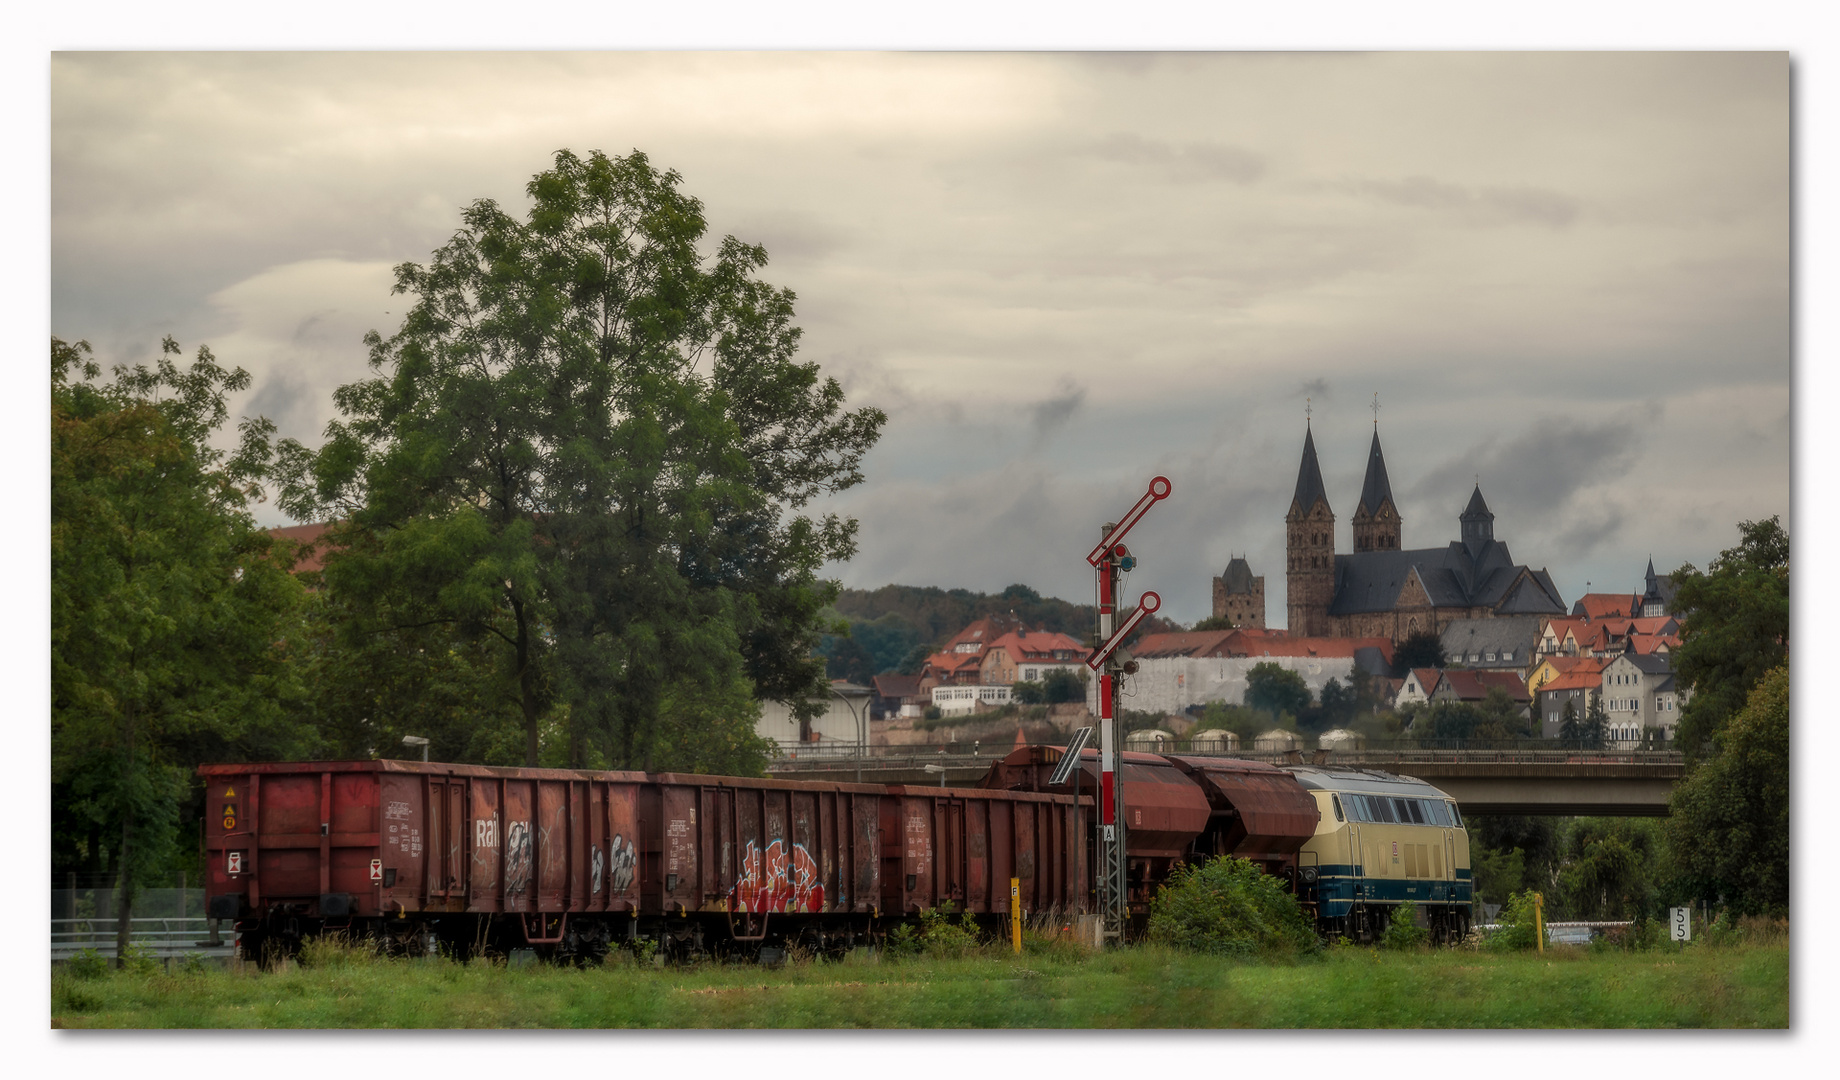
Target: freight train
{"points": [[470, 859]]}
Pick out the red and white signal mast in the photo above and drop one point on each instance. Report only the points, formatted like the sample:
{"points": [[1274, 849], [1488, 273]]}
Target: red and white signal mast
{"points": [[1112, 559]]}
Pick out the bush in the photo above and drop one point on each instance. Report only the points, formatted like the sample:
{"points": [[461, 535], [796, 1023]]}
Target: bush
{"points": [[1403, 932], [88, 964], [140, 961], [937, 935], [1518, 926], [1226, 906]]}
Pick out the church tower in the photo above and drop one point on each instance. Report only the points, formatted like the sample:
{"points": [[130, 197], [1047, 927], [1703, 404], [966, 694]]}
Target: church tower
{"points": [[1376, 521], [1478, 525], [1309, 546]]}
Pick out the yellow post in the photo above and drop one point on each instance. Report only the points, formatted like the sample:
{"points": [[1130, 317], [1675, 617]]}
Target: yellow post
{"points": [[1015, 914], [1539, 922]]}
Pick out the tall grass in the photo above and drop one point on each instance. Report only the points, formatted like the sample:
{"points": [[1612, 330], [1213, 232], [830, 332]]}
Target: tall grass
{"points": [[1053, 984]]}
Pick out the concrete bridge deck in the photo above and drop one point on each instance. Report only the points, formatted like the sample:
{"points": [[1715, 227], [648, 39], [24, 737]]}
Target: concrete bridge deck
{"points": [[1517, 780]]}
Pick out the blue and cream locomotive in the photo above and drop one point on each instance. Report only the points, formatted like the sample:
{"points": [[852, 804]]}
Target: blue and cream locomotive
{"points": [[1385, 847]]}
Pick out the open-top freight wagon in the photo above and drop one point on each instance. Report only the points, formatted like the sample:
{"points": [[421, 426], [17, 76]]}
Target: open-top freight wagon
{"points": [[472, 858], [467, 858]]}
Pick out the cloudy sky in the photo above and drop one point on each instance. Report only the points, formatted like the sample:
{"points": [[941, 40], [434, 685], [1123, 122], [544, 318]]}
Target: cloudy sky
{"points": [[1566, 274]]}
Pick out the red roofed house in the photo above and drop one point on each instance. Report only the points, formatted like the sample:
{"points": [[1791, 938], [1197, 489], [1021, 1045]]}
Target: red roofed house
{"points": [[1028, 656], [960, 662], [1581, 688], [1594, 606], [1418, 686], [304, 535], [1473, 687]]}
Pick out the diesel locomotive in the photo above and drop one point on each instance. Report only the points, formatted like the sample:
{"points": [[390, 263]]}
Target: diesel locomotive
{"points": [[465, 859]]}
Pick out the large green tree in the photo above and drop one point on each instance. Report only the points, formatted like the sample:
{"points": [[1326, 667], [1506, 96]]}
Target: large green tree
{"points": [[169, 614], [1728, 821], [1734, 627], [1275, 689], [587, 447]]}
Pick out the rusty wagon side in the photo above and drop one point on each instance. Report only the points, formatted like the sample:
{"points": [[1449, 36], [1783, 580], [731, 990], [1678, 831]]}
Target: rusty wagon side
{"points": [[422, 855]]}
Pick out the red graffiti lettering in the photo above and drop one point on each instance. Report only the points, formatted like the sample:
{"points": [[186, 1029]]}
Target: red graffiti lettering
{"points": [[770, 881]]}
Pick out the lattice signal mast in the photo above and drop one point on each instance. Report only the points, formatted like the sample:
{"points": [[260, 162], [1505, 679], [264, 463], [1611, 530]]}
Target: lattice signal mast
{"points": [[1111, 559]]}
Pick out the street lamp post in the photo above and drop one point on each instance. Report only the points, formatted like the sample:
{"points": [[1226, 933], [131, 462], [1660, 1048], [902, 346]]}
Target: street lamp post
{"points": [[862, 720]]}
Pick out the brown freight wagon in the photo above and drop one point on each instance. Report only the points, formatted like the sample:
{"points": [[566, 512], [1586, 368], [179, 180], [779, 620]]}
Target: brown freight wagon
{"points": [[1164, 810], [570, 862], [417, 851], [961, 846]]}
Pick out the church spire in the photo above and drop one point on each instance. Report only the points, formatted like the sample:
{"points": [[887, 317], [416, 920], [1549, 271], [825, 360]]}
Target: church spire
{"points": [[1478, 524], [1377, 488], [1309, 478], [1376, 518]]}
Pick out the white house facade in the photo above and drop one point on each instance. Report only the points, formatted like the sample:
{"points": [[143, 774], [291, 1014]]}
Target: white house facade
{"points": [[962, 700], [1170, 684]]}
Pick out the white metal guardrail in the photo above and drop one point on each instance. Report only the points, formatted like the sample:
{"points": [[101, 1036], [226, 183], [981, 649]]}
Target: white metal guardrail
{"points": [[164, 937], [1566, 933]]}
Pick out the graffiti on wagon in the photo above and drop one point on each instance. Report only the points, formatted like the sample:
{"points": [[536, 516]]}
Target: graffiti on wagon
{"points": [[773, 880]]}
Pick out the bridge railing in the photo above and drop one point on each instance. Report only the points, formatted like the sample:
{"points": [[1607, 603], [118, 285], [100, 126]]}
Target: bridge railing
{"points": [[825, 758]]}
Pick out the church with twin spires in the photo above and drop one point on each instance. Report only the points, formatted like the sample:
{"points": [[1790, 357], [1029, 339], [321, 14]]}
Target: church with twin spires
{"points": [[1381, 589]]}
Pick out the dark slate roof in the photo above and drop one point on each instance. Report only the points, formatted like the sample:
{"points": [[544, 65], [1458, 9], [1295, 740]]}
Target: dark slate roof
{"points": [[1369, 581], [1371, 660], [1309, 479], [1660, 587], [1520, 634], [1238, 577], [1649, 664], [1376, 489], [1477, 507]]}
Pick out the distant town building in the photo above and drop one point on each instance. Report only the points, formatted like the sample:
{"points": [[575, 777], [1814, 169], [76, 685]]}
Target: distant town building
{"points": [[1028, 656], [1382, 590], [1239, 597], [1177, 670], [1506, 644]]}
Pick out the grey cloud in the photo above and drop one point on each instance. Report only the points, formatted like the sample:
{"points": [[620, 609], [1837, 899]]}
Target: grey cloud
{"points": [[1314, 388], [1186, 162], [1547, 207], [1049, 416], [1538, 470], [1550, 208], [294, 407], [1585, 533]]}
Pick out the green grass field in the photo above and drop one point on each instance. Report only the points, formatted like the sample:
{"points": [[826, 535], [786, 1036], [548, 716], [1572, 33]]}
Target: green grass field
{"points": [[1739, 986]]}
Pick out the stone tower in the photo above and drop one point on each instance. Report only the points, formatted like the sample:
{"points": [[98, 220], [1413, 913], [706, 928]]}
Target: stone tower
{"points": [[1376, 521], [1239, 596], [1309, 547]]}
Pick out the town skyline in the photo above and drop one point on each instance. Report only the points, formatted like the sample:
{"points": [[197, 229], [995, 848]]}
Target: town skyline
{"points": [[1565, 274]]}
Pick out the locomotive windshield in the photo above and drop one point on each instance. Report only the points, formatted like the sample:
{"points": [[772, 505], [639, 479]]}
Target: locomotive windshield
{"points": [[1394, 810]]}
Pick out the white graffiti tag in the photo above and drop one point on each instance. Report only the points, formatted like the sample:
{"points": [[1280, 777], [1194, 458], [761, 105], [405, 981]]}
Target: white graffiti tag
{"points": [[596, 863], [620, 861], [517, 856]]}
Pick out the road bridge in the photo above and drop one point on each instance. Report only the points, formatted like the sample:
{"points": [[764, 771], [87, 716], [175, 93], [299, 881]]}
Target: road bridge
{"points": [[1516, 780]]}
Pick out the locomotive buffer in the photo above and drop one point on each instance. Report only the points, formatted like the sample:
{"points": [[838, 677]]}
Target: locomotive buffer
{"points": [[1110, 560]]}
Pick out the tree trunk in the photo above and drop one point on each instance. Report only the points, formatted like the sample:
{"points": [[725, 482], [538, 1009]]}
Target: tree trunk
{"points": [[124, 907], [527, 689], [124, 876]]}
